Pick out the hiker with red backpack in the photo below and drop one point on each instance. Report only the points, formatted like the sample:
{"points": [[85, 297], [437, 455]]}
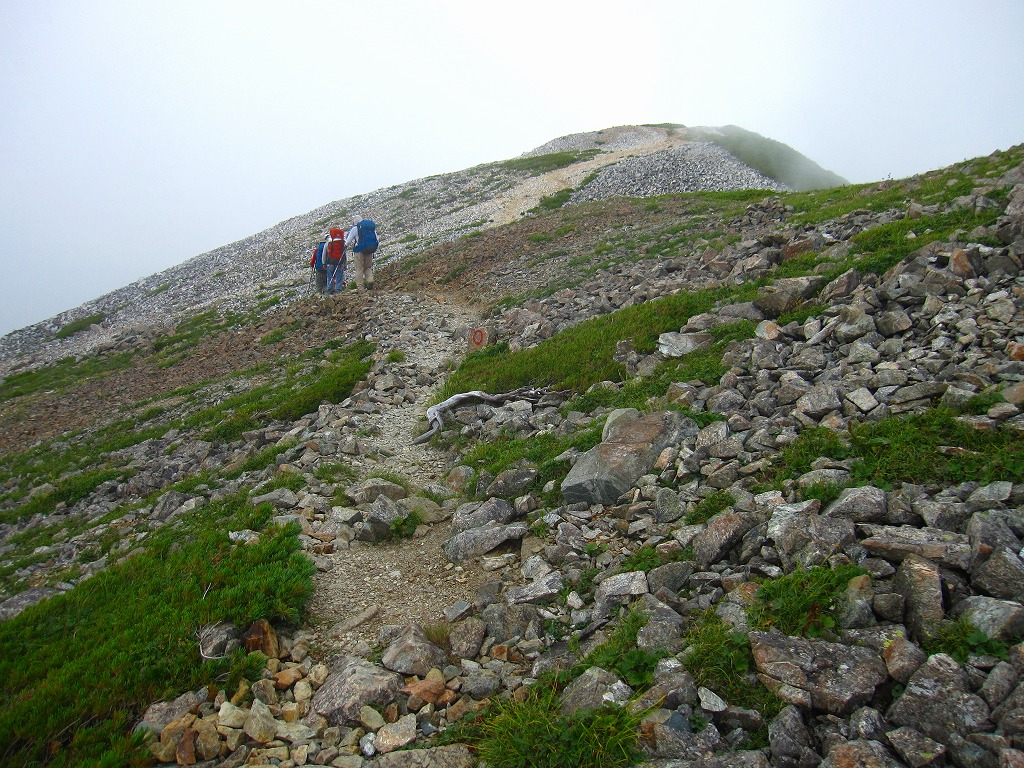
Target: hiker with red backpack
{"points": [[334, 260], [362, 241]]}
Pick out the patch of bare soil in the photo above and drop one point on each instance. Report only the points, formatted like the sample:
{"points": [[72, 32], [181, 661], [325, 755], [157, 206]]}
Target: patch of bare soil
{"points": [[98, 401], [401, 582]]}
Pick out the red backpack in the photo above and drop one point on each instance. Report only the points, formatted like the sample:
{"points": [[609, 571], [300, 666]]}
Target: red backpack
{"points": [[335, 250]]}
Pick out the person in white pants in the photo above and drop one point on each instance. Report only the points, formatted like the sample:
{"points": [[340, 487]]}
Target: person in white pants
{"points": [[363, 260]]}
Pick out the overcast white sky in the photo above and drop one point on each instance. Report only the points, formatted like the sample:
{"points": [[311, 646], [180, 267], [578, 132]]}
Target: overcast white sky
{"points": [[135, 134]]}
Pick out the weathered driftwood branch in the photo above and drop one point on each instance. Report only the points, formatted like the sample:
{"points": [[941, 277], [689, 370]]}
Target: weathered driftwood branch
{"points": [[435, 413]]}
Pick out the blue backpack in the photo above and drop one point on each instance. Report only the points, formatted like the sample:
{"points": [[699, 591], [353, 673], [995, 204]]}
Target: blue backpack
{"points": [[367, 239], [317, 261]]}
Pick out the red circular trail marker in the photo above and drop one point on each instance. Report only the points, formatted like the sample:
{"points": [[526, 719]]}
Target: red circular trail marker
{"points": [[477, 337]]}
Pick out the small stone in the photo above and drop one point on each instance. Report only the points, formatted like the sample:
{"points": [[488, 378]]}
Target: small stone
{"points": [[392, 736], [260, 725]]}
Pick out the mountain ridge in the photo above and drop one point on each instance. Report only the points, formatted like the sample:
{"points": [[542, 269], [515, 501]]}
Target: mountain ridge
{"points": [[413, 216]]}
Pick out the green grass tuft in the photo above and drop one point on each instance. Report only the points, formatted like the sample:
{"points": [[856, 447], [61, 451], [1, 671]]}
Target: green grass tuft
{"points": [[582, 355], [708, 507], [961, 639], [719, 658], [534, 733], [935, 447], [62, 375], [405, 527], [803, 603]]}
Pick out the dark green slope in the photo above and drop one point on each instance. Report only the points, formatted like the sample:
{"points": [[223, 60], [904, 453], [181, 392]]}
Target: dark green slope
{"points": [[770, 157]]}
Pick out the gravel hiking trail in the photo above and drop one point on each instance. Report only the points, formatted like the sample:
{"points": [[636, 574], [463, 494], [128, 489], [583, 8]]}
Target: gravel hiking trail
{"points": [[527, 194], [407, 580]]}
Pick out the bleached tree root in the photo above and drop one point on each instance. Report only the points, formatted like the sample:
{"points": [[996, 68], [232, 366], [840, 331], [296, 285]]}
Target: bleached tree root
{"points": [[435, 413]]}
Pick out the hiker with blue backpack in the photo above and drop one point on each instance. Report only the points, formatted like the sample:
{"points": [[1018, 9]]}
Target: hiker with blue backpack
{"points": [[362, 241]]}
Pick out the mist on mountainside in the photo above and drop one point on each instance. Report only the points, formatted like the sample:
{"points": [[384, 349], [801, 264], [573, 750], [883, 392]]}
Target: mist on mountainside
{"points": [[770, 157]]}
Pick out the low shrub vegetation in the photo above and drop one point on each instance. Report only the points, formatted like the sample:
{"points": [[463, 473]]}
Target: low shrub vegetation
{"points": [[644, 559], [555, 201], [934, 446], [620, 655], [581, 356], [78, 669], [405, 527], [291, 396], [708, 507], [540, 451], [719, 657], [68, 490], [260, 460], [76, 326], [538, 164], [62, 375]]}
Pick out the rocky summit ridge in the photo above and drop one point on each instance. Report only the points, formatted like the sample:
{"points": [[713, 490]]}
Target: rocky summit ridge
{"points": [[627, 160], [828, 315]]}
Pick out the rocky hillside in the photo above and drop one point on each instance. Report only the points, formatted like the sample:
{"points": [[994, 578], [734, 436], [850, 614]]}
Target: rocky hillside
{"points": [[271, 267], [756, 498]]}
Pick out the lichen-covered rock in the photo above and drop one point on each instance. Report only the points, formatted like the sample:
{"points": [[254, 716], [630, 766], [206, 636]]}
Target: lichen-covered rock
{"points": [[352, 684], [938, 701], [832, 677]]}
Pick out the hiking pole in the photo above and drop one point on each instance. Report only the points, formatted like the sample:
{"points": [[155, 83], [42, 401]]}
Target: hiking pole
{"points": [[330, 281]]}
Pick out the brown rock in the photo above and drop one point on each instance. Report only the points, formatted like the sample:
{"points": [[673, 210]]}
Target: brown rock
{"points": [[241, 693], [262, 637], [902, 658], [286, 678], [919, 581], [960, 264], [185, 754], [207, 738], [451, 756], [165, 750], [1014, 393], [477, 339], [938, 701], [412, 653], [812, 673], [860, 754], [161, 713], [260, 725], [353, 684], [467, 705], [396, 735], [466, 637], [428, 690], [448, 698]]}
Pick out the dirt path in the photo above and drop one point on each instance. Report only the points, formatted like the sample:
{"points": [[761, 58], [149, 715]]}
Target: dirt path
{"points": [[527, 195], [369, 586]]}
